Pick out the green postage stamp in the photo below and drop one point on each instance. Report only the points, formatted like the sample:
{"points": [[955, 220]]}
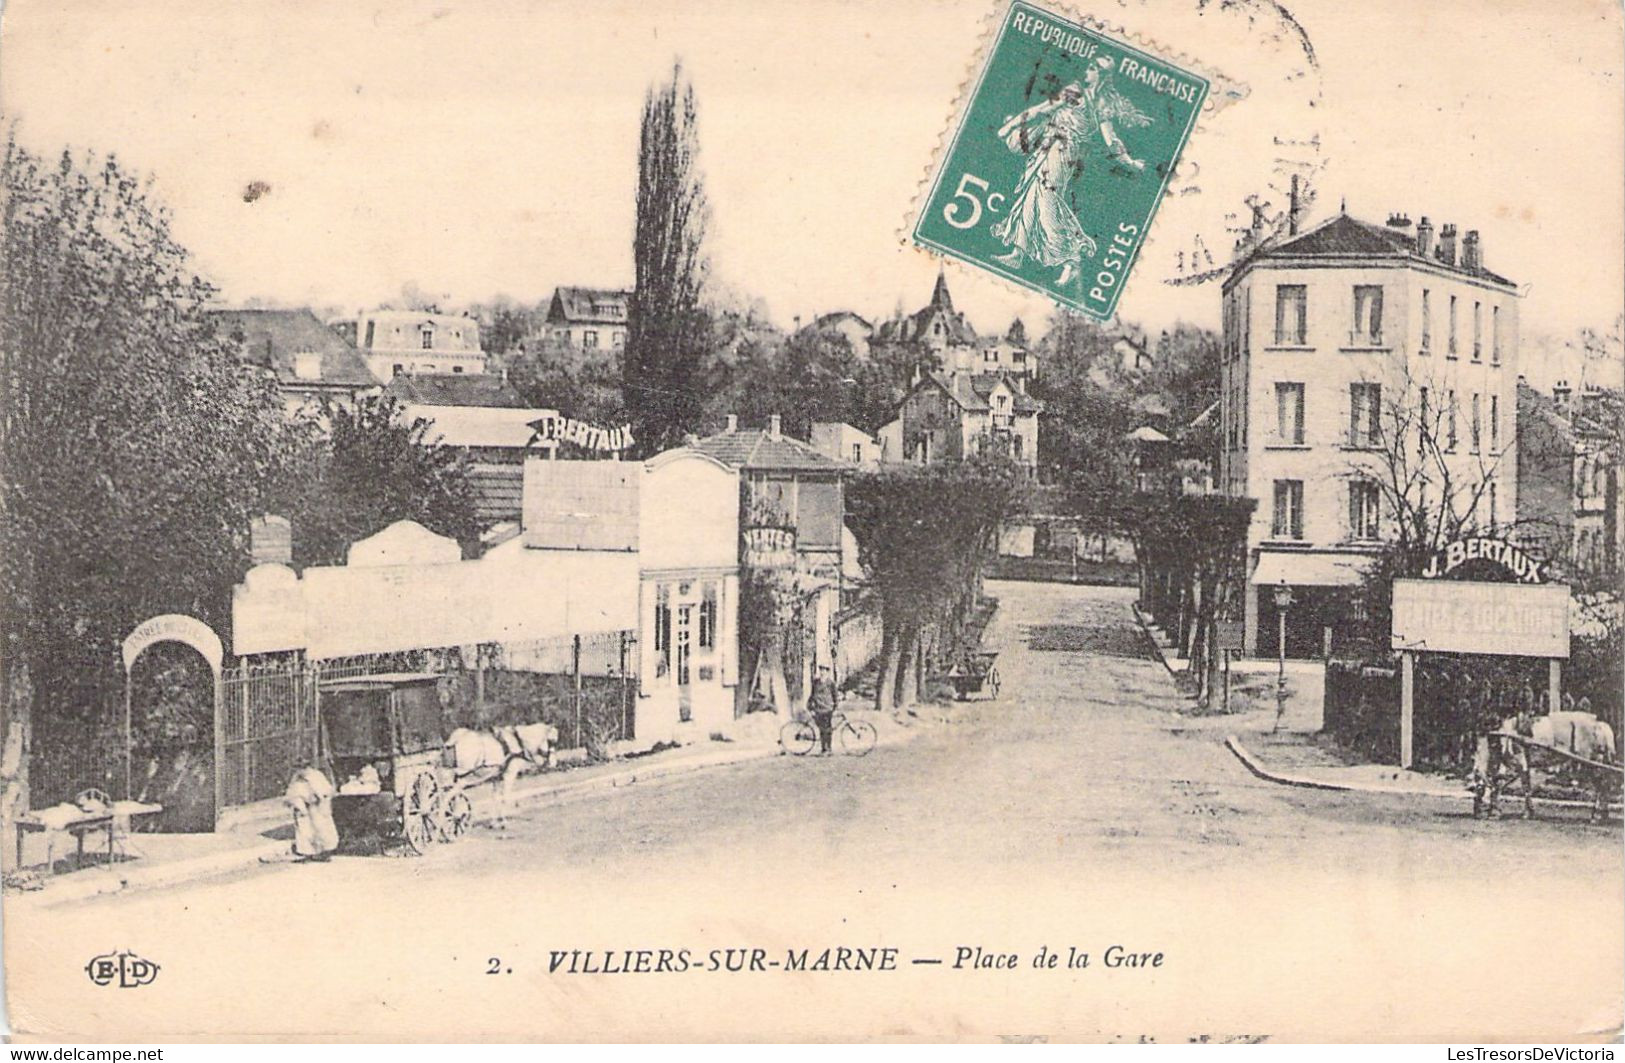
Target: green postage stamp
{"points": [[1060, 159]]}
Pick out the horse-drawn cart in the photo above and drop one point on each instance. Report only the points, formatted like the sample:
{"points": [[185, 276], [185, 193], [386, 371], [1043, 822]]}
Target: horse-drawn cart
{"points": [[974, 673], [383, 743], [1510, 760]]}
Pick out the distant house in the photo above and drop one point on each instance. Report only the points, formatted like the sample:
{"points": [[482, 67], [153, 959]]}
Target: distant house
{"points": [[1571, 484], [854, 329], [310, 362], [589, 318], [945, 332], [416, 341], [950, 418], [843, 442]]}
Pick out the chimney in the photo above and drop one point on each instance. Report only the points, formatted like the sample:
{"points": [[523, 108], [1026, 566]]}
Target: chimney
{"points": [[1472, 256], [1561, 394], [1447, 244], [733, 422], [1424, 237], [1294, 209], [797, 320], [1255, 233], [1399, 221], [773, 427]]}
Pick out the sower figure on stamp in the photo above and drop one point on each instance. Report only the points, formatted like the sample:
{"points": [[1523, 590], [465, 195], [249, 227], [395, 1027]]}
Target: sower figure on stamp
{"points": [[310, 796], [821, 704], [1055, 136]]}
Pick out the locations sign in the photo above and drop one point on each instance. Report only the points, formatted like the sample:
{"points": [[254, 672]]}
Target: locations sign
{"points": [[1509, 619]]}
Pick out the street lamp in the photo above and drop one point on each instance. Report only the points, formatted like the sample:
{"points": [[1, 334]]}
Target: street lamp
{"points": [[1283, 602]]}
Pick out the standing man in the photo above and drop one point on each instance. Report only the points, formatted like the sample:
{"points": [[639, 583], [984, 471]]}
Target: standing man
{"points": [[822, 706]]}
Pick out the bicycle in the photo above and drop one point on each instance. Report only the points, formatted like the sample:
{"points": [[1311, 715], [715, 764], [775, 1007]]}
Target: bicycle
{"points": [[855, 737]]}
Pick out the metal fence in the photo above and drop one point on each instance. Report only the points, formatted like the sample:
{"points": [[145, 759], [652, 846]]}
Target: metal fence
{"points": [[269, 717], [266, 728]]}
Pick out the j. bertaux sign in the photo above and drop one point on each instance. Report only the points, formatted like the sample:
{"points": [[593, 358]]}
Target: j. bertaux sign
{"points": [[1517, 561], [1509, 619], [555, 429]]}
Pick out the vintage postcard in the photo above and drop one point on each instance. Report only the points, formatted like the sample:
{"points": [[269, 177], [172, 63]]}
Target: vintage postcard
{"points": [[939, 520]]}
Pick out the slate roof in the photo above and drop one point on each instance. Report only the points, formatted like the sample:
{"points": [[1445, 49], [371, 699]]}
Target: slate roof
{"points": [[1349, 236], [454, 389], [756, 450], [271, 338], [590, 306], [914, 326], [971, 392]]}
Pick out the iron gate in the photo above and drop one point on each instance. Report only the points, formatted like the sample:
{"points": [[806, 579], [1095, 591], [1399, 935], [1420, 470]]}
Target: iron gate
{"points": [[265, 729]]}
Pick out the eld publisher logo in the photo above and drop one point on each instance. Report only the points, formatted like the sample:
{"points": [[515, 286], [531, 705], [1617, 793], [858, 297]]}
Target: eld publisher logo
{"points": [[123, 969]]}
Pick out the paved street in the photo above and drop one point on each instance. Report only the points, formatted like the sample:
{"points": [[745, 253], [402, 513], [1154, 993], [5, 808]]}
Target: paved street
{"points": [[1077, 810]]}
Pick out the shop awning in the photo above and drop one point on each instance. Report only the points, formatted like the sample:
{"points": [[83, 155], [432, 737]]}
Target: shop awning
{"points": [[1309, 569]]}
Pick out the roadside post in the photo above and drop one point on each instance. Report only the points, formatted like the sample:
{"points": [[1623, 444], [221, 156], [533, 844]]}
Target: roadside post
{"points": [[1283, 602]]}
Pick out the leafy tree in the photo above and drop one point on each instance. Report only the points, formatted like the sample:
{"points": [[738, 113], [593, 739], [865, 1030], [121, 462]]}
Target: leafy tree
{"points": [[133, 443], [924, 534], [1197, 546], [359, 468], [666, 328], [554, 375]]}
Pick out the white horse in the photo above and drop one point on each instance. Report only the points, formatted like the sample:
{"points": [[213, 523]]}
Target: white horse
{"points": [[478, 756]]}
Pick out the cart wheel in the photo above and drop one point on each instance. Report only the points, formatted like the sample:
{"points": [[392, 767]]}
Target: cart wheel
{"points": [[993, 680], [459, 816], [420, 811]]}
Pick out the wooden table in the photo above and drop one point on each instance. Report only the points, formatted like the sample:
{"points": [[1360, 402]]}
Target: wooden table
{"points": [[86, 823]]}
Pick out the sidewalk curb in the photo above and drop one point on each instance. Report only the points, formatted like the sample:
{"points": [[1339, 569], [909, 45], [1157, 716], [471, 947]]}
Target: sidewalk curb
{"points": [[1251, 762], [98, 883]]}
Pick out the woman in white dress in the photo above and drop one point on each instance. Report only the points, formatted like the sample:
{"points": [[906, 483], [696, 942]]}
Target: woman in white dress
{"points": [[1055, 135]]}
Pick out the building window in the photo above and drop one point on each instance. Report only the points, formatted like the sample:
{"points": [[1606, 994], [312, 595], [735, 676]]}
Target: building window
{"points": [[1289, 413], [1291, 314], [619, 338], [1365, 415], [589, 338], [456, 369], [662, 630], [1495, 424], [1477, 424], [371, 327], [428, 339], [1367, 315], [1450, 417], [398, 369], [1478, 332], [1495, 335], [1288, 522], [708, 616], [990, 355], [1450, 347], [1018, 356], [1365, 507], [1427, 322]]}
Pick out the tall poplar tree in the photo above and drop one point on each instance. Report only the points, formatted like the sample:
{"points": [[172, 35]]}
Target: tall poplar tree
{"points": [[666, 330]]}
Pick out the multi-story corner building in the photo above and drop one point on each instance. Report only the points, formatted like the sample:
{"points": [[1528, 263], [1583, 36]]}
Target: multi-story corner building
{"points": [[589, 318], [415, 341], [1367, 370]]}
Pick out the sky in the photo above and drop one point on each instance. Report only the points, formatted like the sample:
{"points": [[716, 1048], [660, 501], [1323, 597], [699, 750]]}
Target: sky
{"points": [[489, 148]]}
